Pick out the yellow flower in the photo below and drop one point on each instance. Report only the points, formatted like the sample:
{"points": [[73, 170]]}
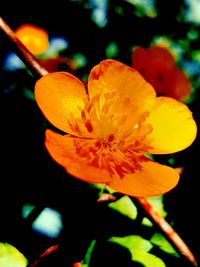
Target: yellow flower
{"points": [[110, 126]]}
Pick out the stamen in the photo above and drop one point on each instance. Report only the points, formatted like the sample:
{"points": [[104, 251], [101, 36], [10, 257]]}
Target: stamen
{"points": [[75, 127], [116, 157], [83, 115], [110, 138], [117, 152], [89, 127]]}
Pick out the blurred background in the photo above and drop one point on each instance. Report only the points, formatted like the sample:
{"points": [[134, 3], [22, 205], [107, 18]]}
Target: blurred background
{"points": [[41, 205]]}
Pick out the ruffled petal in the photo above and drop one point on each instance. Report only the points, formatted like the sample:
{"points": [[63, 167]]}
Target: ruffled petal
{"points": [[153, 179], [113, 77], [67, 151], [174, 128], [61, 97]]}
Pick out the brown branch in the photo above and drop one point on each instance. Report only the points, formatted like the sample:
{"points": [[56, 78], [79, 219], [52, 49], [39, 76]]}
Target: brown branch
{"points": [[47, 252], [26, 56], [170, 233]]}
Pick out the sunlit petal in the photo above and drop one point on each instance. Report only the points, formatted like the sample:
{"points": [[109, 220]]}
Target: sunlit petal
{"points": [[120, 97], [65, 150], [174, 128], [153, 179], [61, 97], [111, 76]]}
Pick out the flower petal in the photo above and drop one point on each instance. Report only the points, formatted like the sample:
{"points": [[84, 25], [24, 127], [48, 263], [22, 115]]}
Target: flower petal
{"points": [[146, 59], [162, 54], [174, 128], [111, 76], [61, 97], [64, 151], [140, 59], [153, 179], [179, 84], [35, 38]]}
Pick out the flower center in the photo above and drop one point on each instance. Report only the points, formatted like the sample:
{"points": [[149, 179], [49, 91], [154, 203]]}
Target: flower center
{"points": [[117, 157], [116, 134]]}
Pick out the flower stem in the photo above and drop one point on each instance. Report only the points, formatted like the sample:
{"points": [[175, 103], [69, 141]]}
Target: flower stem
{"points": [[168, 230], [26, 56]]}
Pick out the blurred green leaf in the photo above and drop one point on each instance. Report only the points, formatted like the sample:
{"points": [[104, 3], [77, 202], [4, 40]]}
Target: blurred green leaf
{"points": [[11, 257], [171, 161], [112, 50], [132, 243], [160, 241], [192, 34], [125, 206], [195, 55], [29, 94], [27, 209], [147, 222], [148, 260], [139, 248], [144, 8], [79, 60]]}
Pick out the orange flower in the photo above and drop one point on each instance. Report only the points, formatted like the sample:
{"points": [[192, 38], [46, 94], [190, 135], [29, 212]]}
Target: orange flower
{"points": [[158, 67], [112, 128], [35, 38]]}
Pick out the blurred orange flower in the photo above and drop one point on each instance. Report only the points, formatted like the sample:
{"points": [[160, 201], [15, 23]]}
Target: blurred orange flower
{"points": [[112, 126], [158, 67], [35, 38]]}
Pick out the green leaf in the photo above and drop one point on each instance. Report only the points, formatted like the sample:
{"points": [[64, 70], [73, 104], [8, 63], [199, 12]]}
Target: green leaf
{"points": [[160, 241], [125, 206], [89, 252], [148, 260], [139, 248], [102, 187], [11, 257], [132, 243], [147, 222]]}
